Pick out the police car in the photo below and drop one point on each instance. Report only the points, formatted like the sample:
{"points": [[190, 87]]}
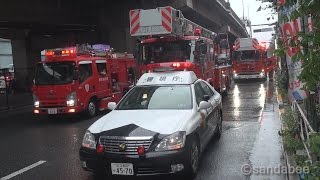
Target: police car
{"points": [[160, 126]]}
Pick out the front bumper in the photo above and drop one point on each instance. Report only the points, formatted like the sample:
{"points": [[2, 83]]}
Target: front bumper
{"points": [[56, 110], [249, 76], [153, 163]]}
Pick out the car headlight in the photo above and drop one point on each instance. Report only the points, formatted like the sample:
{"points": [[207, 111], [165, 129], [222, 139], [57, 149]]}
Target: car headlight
{"points": [[261, 74], [89, 140], [172, 142], [36, 101], [72, 99]]}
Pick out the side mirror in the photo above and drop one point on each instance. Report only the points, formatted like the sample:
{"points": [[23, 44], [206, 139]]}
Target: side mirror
{"points": [[112, 105], [75, 75], [204, 105], [206, 97]]}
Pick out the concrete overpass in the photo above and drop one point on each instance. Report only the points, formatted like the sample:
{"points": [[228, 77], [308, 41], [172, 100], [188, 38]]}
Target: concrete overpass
{"points": [[36, 25]]}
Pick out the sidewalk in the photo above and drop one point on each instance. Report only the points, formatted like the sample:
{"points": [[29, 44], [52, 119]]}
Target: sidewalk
{"points": [[15, 101], [266, 156]]}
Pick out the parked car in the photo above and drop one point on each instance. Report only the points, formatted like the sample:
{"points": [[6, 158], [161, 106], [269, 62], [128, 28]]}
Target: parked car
{"points": [[161, 126], [6, 81]]}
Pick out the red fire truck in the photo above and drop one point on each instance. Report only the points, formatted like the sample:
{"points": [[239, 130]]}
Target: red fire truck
{"points": [[223, 68], [168, 41], [80, 79], [248, 59]]}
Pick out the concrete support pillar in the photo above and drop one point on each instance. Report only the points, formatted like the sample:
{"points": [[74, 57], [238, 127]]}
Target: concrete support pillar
{"points": [[114, 27], [23, 59]]}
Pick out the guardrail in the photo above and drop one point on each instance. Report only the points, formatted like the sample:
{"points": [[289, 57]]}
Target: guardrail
{"points": [[305, 128]]}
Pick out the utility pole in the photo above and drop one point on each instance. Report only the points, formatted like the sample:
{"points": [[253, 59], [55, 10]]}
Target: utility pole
{"points": [[242, 10]]}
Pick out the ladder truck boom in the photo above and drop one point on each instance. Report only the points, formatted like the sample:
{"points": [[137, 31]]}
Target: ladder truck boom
{"points": [[164, 21], [169, 41]]}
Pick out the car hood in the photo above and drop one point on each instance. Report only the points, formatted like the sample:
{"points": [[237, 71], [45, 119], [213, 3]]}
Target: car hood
{"points": [[138, 122]]}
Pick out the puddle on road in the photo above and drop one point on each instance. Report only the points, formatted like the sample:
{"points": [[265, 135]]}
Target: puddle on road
{"points": [[246, 101]]}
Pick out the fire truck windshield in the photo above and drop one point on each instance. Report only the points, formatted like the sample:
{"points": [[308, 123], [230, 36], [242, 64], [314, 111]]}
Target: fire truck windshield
{"points": [[165, 51], [54, 73], [246, 55]]}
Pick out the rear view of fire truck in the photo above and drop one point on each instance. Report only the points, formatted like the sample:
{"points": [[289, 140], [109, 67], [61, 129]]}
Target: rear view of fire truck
{"points": [[79, 79], [168, 41], [248, 59]]}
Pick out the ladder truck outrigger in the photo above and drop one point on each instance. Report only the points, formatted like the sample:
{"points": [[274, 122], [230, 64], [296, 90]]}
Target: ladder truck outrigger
{"points": [[168, 41]]}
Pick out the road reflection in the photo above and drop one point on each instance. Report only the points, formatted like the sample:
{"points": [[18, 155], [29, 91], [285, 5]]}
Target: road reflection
{"points": [[245, 102]]}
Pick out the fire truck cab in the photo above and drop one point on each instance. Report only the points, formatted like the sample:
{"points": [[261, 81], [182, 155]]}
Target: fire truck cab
{"points": [[80, 79], [168, 41], [248, 59]]}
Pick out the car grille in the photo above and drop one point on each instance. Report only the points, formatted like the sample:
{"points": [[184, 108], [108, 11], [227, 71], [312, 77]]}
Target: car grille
{"points": [[111, 144], [144, 171], [249, 73]]}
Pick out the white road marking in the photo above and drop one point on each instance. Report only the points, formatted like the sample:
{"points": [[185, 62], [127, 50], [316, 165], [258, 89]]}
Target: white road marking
{"points": [[22, 170]]}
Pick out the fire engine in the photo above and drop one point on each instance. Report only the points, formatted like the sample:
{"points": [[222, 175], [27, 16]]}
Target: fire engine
{"points": [[248, 59], [81, 79], [223, 69], [168, 41]]}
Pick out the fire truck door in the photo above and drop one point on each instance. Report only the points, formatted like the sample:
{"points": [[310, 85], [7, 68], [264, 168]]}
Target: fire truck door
{"points": [[86, 80], [102, 87]]}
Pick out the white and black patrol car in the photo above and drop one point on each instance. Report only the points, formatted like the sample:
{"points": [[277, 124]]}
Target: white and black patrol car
{"points": [[160, 126]]}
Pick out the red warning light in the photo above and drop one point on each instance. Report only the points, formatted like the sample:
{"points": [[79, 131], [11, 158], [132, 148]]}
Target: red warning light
{"points": [[100, 148], [49, 53], [141, 150]]}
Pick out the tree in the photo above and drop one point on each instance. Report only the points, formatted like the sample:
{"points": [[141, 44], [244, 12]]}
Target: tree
{"points": [[305, 44]]}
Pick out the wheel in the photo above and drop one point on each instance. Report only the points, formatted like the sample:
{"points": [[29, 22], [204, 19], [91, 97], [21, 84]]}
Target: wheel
{"points": [[219, 127], [194, 155], [92, 108]]}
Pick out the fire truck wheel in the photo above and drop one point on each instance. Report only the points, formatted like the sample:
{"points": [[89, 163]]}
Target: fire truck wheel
{"points": [[92, 108]]}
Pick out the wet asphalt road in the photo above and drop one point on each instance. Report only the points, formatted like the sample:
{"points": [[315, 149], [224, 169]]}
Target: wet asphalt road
{"points": [[249, 137]]}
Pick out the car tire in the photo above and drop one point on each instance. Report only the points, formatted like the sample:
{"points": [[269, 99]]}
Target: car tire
{"points": [[92, 108], [219, 127], [194, 159]]}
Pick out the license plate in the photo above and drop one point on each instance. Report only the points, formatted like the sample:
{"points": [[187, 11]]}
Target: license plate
{"points": [[122, 169], [52, 111]]}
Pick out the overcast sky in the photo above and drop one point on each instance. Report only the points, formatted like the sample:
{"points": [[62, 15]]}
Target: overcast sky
{"points": [[250, 8]]}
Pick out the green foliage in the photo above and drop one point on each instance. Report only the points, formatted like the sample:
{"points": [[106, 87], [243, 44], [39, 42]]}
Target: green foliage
{"points": [[291, 131], [314, 170], [307, 42], [281, 49], [315, 143], [281, 81]]}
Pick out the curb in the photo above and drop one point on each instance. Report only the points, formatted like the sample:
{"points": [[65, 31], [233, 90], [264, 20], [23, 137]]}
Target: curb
{"points": [[280, 104]]}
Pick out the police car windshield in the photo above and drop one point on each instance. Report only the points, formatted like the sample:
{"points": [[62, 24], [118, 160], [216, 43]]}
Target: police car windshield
{"points": [[54, 73], [157, 97], [165, 51]]}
